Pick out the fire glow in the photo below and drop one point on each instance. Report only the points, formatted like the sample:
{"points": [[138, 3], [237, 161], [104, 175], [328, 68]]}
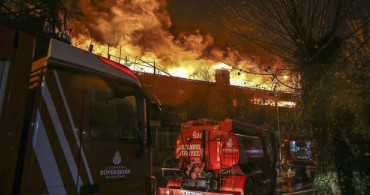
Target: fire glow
{"points": [[142, 40], [272, 102]]}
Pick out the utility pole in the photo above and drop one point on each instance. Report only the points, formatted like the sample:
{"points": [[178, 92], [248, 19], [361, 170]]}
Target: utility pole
{"points": [[278, 125], [277, 119], [91, 48], [108, 53], [154, 66]]}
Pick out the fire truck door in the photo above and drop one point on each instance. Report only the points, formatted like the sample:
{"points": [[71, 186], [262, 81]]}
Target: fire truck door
{"points": [[109, 159], [52, 164]]}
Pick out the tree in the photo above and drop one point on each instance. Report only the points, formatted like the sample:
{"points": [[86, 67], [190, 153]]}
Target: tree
{"points": [[43, 19], [203, 73], [324, 42]]}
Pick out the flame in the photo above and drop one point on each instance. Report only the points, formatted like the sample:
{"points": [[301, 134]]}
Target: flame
{"points": [[137, 33], [140, 29], [221, 66], [179, 72], [272, 102]]}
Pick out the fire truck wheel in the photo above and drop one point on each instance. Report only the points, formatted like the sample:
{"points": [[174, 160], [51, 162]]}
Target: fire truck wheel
{"points": [[249, 188]]}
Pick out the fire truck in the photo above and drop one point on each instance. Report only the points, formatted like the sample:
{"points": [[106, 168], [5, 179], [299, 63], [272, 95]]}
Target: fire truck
{"points": [[221, 157], [297, 157], [298, 153], [70, 123]]}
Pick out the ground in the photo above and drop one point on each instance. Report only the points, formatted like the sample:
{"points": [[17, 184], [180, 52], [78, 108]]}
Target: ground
{"points": [[298, 181]]}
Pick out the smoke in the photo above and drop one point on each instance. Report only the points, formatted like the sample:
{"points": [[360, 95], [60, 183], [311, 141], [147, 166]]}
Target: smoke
{"points": [[141, 29]]}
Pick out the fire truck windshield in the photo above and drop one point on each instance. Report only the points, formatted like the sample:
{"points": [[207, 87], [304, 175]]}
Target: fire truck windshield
{"points": [[300, 150], [114, 114]]}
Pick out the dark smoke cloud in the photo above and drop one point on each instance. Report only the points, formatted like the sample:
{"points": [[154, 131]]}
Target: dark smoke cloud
{"points": [[142, 28], [194, 14], [174, 33]]}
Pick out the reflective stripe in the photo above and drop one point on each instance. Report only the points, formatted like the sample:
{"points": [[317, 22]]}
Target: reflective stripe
{"points": [[46, 159], [83, 156], [61, 136], [4, 70]]}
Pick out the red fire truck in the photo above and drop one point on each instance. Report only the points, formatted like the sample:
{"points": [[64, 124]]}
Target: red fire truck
{"points": [[221, 157], [70, 123], [297, 158]]}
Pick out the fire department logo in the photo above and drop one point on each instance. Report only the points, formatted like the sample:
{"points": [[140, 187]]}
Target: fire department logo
{"points": [[115, 171], [229, 143], [117, 158]]}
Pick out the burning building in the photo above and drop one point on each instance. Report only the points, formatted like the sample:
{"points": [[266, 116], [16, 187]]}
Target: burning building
{"points": [[143, 32], [187, 70]]}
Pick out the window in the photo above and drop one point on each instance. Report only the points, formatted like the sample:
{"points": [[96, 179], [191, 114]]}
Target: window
{"points": [[300, 150], [251, 148], [254, 148], [114, 115]]}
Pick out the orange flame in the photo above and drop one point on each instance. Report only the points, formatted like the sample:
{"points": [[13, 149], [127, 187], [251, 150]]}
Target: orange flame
{"points": [[138, 35]]}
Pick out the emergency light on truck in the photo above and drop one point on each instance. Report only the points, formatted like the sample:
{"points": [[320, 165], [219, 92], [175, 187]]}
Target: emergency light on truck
{"points": [[118, 66]]}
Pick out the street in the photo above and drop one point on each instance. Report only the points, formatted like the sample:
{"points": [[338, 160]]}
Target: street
{"points": [[294, 184]]}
